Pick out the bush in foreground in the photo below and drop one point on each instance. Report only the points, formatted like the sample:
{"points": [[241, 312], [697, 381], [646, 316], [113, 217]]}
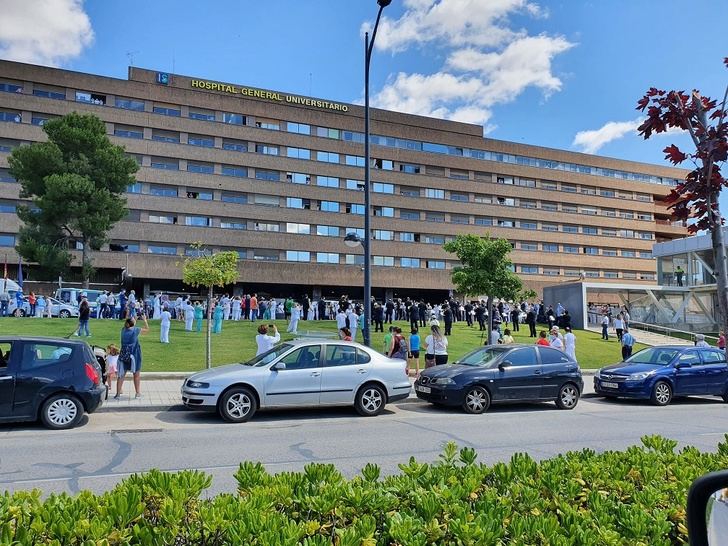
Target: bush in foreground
{"points": [[632, 497]]}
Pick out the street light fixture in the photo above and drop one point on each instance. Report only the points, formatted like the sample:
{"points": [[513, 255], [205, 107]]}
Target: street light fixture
{"points": [[352, 240], [368, 47]]}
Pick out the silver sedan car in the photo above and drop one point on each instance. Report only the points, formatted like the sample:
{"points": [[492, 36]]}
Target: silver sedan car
{"points": [[314, 372]]}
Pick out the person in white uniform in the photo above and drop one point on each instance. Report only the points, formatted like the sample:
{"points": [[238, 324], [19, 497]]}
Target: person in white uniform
{"points": [[264, 340], [570, 343], [157, 307], [353, 323], [166, 317], [340, 320], [189, 315], [236, 308], [226, 306], [295, 317]]}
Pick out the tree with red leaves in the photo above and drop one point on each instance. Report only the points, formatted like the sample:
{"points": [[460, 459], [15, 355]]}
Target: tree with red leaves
{"points": [[695, 198]]}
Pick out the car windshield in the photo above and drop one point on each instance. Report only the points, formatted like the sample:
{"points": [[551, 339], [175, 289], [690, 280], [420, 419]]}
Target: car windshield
{"points": [[661, 356], [481, 357], [266, 358]]}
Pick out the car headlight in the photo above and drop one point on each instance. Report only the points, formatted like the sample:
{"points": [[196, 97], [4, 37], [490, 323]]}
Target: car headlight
{"points": [[197, 385], [443, 381], [598, 374], [639, 376]]}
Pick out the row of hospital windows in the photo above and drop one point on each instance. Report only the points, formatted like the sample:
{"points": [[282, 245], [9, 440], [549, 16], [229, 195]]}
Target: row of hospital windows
{"points": [[327, 132], [386, 188], [357, 259], [349, 160], [380, 211]]}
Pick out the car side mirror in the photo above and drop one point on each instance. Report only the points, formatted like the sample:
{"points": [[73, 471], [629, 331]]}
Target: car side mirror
{"points": [[707, 512], [279, 366], [505, 364]]}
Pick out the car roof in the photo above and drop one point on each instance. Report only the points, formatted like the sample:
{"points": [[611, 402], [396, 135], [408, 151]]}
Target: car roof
{"points": [[325, 341], [41, 339]]}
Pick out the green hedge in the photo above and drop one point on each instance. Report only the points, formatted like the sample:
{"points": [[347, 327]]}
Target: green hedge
{"points": [[633, 497]]}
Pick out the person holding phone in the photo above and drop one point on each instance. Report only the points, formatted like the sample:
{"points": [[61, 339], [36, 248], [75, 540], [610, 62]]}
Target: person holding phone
{"points": [[265, 340], [130, 356]]}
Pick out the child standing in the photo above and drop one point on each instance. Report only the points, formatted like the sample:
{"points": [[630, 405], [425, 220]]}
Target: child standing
{"points": [[414, 350], [112, 358]]}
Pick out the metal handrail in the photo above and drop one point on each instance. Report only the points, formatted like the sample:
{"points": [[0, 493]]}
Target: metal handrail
{"points": [[666, 330]]}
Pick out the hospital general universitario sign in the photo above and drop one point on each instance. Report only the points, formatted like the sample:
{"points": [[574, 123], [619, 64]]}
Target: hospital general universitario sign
{"points": [[267, 95]]}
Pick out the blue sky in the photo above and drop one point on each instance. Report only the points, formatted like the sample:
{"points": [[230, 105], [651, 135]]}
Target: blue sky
{"points": [[537, 72]]}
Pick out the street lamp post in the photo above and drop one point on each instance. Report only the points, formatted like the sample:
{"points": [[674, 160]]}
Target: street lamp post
{"points": [[368, 46]]}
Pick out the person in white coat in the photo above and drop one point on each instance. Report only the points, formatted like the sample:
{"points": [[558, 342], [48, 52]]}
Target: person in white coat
{"points": [[226, 307], [265, 340], [570, 343], [296, 311], [157, 306], [166, 317], [189, 315], [353, 323], [340, 320], [236, 308]]}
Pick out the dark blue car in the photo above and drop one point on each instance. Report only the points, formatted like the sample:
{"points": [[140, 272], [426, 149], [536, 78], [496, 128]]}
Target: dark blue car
{"points": [[503, 373], [660, 373]]}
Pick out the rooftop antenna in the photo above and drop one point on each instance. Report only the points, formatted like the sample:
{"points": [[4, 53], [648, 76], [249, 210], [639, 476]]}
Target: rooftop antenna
{"points": [[130, 56]]}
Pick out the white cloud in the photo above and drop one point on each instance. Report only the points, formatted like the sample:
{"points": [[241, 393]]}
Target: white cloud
{"points": [[487, 61], [592, 141], [46, 32]]}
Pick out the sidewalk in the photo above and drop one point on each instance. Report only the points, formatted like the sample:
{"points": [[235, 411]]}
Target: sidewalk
{"points": [[161, 392]]}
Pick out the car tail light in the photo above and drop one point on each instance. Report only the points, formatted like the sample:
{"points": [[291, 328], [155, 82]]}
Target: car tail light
{"points": [[406, 369], [92, 374]]}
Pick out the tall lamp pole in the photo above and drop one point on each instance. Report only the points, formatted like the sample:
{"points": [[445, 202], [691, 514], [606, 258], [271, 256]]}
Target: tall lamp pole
{"points": [[368, 46]]}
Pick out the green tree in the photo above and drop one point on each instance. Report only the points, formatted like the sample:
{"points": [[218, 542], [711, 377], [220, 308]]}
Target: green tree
{"points": [[75, 181], [485, 269], [210, 270]]}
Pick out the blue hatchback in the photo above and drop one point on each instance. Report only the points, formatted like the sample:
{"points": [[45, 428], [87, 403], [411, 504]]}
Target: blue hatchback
{"points": [[659, 373]]}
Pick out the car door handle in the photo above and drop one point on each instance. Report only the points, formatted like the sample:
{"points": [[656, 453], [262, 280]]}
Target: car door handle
{"points": [[361, 370], [315, 374], [537, 372]]}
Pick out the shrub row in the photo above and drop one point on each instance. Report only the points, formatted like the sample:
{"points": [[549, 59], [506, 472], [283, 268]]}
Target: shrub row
{"points": [[632, 497]]}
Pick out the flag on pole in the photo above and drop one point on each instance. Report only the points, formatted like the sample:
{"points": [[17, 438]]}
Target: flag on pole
{"points": [[20, 273]]}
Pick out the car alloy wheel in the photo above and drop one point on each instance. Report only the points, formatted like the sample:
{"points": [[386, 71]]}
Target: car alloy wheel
{"points": [[661, 394], [370, 400], [64, 314], [476, 401], [238, 405], [61, 411], [568, 397], [725, 396]]}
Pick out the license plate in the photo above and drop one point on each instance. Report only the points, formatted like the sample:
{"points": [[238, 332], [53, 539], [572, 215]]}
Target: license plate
{"points": [[608, 385], [426, 390]]}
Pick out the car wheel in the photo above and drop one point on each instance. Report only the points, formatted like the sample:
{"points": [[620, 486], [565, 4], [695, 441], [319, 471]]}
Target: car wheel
{"points": [[477, 400], [61, 411], [19, 313], [661, 394], [370, 400], [725, 396], [65, 314], [238, 405], [568, 396]]}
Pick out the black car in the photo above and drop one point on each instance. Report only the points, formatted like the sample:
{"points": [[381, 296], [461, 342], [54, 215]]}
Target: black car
{"points": [[503, 373], [54, 380]]}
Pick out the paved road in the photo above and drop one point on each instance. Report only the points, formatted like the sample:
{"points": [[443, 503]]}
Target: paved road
{"points": [[108, 447]]}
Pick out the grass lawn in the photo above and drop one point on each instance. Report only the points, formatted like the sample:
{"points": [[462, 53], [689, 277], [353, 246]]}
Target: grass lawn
{"points": [[186, 351]]}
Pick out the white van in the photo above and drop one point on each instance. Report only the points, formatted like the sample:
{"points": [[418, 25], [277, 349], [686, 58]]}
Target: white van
{"points": [[72, 296]]}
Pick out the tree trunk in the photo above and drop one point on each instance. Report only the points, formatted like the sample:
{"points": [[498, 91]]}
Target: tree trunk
{"points": [[84, 265], [489, 304], [208, 351], [721, 274]]}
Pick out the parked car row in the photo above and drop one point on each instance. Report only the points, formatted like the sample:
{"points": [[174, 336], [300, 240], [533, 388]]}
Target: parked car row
{"points": [[58, 380]]}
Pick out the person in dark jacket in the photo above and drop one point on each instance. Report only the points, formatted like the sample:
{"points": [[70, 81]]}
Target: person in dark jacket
{"points": [[480, 316], [84, 312], [514, 318], [447, 315], [414, 316], [378, 317], [390, 311], [531, 321]]}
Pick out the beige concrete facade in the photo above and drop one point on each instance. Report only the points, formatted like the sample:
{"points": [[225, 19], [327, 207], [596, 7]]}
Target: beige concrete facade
{"points": [[566, 213]]}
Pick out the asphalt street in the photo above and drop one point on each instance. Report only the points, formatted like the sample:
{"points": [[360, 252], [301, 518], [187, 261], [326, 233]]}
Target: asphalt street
{"points": [[110, 446]]}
